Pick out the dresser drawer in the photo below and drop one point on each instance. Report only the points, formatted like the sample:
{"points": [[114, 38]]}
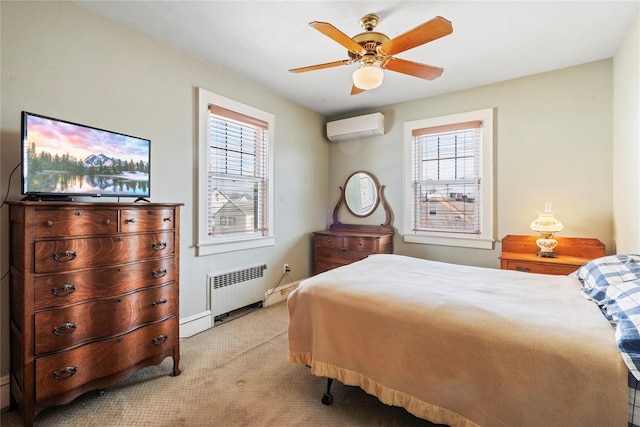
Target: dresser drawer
{"points": [[328, 241], [339, 255], [61, 328], [68, 288], [360, 243], [63, 255], [75, 222], [542, 268], [59, 373], [134, 220], [322, 266]]}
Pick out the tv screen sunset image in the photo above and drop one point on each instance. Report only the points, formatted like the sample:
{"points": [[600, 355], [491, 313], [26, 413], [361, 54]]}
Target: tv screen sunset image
{"points": [[66, 158]]}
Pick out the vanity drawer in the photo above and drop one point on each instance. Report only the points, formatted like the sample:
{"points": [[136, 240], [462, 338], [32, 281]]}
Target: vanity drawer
{"points": [[360, 243], [59, 373], [328, 241], [75, 222], [61, 328], [63, 255], [322, 266], [339, 255], [68, 288], [134, 220]]}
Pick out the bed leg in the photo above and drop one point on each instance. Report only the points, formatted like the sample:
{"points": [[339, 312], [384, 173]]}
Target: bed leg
{"points": [[327, 399]]}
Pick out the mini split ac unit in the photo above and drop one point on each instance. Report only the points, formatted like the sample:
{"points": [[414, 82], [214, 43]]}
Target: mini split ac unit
{"points": [[356, 127]]}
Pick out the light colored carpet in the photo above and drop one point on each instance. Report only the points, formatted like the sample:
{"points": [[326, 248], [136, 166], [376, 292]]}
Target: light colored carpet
{"points": [[235, 374]]}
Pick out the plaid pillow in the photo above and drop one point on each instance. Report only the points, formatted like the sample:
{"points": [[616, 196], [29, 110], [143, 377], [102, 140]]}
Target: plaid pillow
{"points": [[613, 283], [599, 273]]}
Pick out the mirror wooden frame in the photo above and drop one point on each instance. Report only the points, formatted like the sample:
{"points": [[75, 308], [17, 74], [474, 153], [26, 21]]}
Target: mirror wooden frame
{"points": [[354, 192], [381, 200]]}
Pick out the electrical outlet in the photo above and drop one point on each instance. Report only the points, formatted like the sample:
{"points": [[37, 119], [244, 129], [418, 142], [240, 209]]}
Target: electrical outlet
{"points": [[285, 268]]}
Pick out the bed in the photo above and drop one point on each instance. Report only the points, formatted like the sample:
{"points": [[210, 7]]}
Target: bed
{"points": [[471, 346]]}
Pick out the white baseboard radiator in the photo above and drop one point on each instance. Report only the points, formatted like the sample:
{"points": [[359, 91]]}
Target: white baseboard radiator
{"points": [[235, 289]]}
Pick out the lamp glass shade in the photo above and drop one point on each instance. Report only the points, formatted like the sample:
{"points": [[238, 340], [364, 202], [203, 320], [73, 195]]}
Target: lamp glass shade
{"points": [[368, 77], [546, 223]]}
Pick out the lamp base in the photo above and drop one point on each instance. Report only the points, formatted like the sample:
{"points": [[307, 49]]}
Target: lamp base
{"points": [[546, 245], [543, 254]]}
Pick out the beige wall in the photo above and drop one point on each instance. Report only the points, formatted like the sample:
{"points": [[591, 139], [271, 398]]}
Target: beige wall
{"points": [[626, 142], [553, 143], [61, 60]]}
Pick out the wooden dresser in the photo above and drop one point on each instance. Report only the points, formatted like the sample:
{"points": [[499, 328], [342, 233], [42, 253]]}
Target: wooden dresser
{"points": [[341, 246], [94, 296], [519, 253]]}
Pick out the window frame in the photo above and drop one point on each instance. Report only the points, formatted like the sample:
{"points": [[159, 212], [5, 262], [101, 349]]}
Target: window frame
{"points": [[206, 244], [485, 239]]}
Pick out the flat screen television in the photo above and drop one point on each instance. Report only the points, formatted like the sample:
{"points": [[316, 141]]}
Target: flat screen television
{"points": [[61, 159]]}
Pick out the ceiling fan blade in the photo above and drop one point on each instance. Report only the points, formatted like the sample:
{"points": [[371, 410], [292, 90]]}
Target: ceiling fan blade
{"points": [[337, 35], [320, 66], [356, 90], [411, 68], [424, 33]]}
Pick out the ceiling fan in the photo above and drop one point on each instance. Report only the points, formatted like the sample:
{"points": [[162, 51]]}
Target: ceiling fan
{"points": [[374, 51]]}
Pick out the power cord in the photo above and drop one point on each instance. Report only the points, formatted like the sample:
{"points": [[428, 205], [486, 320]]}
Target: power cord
{"points": [[286, 273], [223, 318], [4, 202]]}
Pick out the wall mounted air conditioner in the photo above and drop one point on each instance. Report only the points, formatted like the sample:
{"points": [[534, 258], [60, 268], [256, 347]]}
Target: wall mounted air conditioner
{"points": [[356, 127]]}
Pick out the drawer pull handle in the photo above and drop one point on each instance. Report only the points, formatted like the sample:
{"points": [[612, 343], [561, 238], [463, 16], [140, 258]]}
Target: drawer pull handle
{"points": [[157, 303], [522, 268], [159, 340], [64, 291], [65, 329], [158, 246], [161, 272], [49, 223], [67, 372], [130, 221], [167, 219], [78, 213], [65, 256], [107, 221]]}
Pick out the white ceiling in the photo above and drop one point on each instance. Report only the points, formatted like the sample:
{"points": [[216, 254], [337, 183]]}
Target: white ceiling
{"points": [[491, 41]]}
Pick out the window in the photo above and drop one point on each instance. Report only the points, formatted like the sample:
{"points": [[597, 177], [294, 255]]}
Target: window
{"points": [[448, 181], [235, 177]]}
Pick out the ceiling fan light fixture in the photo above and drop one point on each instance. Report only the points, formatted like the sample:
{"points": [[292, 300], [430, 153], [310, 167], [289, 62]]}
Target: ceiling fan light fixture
{"points": [[368, 77]]}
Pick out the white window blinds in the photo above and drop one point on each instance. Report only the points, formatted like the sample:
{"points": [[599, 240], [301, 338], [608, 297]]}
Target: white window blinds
{"points": [[447, 178], [237, 174]]}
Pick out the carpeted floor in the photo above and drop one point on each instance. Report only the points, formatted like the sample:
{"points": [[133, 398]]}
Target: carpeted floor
{"points": [[235, 374]]}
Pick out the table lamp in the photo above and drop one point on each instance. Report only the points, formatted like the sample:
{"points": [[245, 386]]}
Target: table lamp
{"points": [[547, 226]]}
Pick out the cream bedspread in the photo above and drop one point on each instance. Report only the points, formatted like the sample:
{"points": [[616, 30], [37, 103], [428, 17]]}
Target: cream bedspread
{"points": [[462, 345]]}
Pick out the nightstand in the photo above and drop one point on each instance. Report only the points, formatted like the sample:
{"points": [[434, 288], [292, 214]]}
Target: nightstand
{"points": [[519, 253]]}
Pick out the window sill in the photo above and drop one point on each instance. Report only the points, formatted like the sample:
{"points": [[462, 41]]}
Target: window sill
{"points": [[465, 242], [203, 249]]}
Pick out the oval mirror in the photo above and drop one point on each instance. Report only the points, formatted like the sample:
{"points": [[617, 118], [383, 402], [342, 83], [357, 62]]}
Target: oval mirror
{"points": [[361, 194]]}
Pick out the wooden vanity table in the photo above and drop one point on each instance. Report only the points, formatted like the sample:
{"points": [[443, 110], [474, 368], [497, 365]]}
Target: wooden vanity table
{"points": [[343, 244]]}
